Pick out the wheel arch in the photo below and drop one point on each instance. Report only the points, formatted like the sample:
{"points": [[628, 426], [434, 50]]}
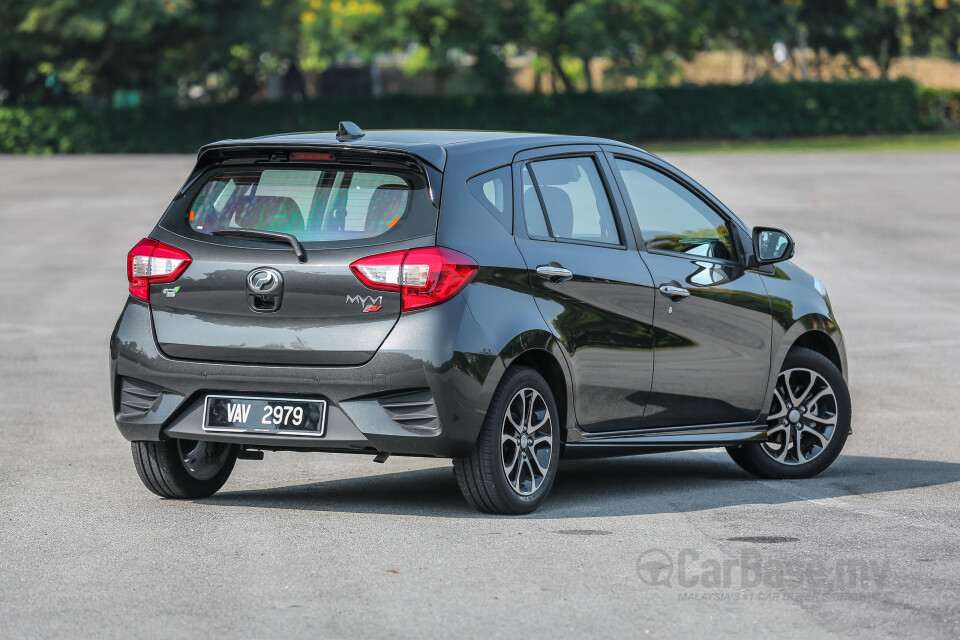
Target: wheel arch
{"points": [[819, 341], [546, 365], [540, 351], [812, 331]]}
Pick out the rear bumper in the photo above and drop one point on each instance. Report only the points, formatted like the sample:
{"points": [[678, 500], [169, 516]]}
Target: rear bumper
{"points": [[438, 356]]}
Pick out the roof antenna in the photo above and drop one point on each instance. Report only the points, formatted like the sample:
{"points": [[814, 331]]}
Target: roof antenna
{"points": [[349, 131]]}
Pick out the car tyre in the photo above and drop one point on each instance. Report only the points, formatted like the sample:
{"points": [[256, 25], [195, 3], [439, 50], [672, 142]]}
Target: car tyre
{"points": [[511, 468], [183, 469], [805, 437]]}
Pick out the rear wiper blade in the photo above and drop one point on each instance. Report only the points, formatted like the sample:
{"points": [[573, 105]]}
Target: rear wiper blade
{"points": [[261, 234]]}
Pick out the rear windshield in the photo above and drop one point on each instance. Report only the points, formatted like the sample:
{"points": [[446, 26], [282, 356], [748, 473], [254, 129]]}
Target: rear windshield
{"points": [[316, 205]]}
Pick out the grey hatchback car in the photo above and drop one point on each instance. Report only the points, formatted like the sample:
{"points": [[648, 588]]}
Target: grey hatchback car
{"points": [[505, 300]]}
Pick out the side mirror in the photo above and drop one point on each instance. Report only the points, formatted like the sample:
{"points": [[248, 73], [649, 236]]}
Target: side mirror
{"points": [[772, 245]]}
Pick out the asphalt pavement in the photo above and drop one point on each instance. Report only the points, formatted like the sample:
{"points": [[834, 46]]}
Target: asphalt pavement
{"points": [[327, 546]]}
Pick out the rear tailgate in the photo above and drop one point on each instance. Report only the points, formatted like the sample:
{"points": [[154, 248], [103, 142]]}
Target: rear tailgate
{"points": [[341, 209]]}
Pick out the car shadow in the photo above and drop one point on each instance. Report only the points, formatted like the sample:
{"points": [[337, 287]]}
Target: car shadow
{"points": [[636, 485]]}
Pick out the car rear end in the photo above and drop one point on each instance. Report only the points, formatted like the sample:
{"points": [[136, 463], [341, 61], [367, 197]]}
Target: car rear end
{"points": [[295, 298]]}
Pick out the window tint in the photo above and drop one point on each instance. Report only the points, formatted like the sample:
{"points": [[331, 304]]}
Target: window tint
{"points": [[493, 190], [575, 199], [670, 216], [532, 211], [315, 205], [372, 203]]}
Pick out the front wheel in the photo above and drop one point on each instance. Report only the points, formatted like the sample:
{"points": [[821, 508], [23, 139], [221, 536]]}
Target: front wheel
{"points": [[808, 423], [179, 468], [514, 462]]}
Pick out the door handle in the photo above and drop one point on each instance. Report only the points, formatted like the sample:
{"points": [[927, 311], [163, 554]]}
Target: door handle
{"points": [[674, 292], [554, 273]]}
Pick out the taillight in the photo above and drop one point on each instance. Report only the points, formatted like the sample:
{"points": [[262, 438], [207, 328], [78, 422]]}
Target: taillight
{"points": [[380, 272], [152, 262], [424, 277]]}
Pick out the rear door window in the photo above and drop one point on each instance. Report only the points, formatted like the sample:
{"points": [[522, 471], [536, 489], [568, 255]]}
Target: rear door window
{"points": [[316, 205], [532, 211], [575, 199]]}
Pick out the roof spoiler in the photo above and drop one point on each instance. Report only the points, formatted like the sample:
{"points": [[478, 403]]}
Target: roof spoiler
{"points": [[208, 150]]}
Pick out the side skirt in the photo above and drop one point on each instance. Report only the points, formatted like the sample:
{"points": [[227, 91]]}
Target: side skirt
{"points": [[624, 443]]}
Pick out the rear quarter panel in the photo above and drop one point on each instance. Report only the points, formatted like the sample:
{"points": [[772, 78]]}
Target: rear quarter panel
{"points": [[499, 298]]}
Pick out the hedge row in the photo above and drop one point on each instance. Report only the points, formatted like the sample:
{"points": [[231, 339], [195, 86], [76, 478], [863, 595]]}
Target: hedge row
{"points": [[939, 108], [713, 112]]}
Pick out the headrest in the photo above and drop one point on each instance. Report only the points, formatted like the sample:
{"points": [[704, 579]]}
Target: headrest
{"points": [[387, 203], [559, 209]]}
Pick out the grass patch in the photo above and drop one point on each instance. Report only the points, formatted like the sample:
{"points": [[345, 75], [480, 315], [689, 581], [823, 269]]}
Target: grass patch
{"points": [[941, 141]]}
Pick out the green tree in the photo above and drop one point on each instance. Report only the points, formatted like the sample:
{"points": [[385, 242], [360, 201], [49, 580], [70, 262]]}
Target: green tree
{"points": [[881, 30], [93, 47], [641, 38], [435, 34], [928, 27]]}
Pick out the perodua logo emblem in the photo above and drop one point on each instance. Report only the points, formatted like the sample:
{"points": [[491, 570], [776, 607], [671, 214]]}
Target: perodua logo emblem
{"points": [[264, 281], [264, 290]]}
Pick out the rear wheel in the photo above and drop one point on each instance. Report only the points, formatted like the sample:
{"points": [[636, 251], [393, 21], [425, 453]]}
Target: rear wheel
{"points": [[808, 422], [183, 468], [514, 462]]}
